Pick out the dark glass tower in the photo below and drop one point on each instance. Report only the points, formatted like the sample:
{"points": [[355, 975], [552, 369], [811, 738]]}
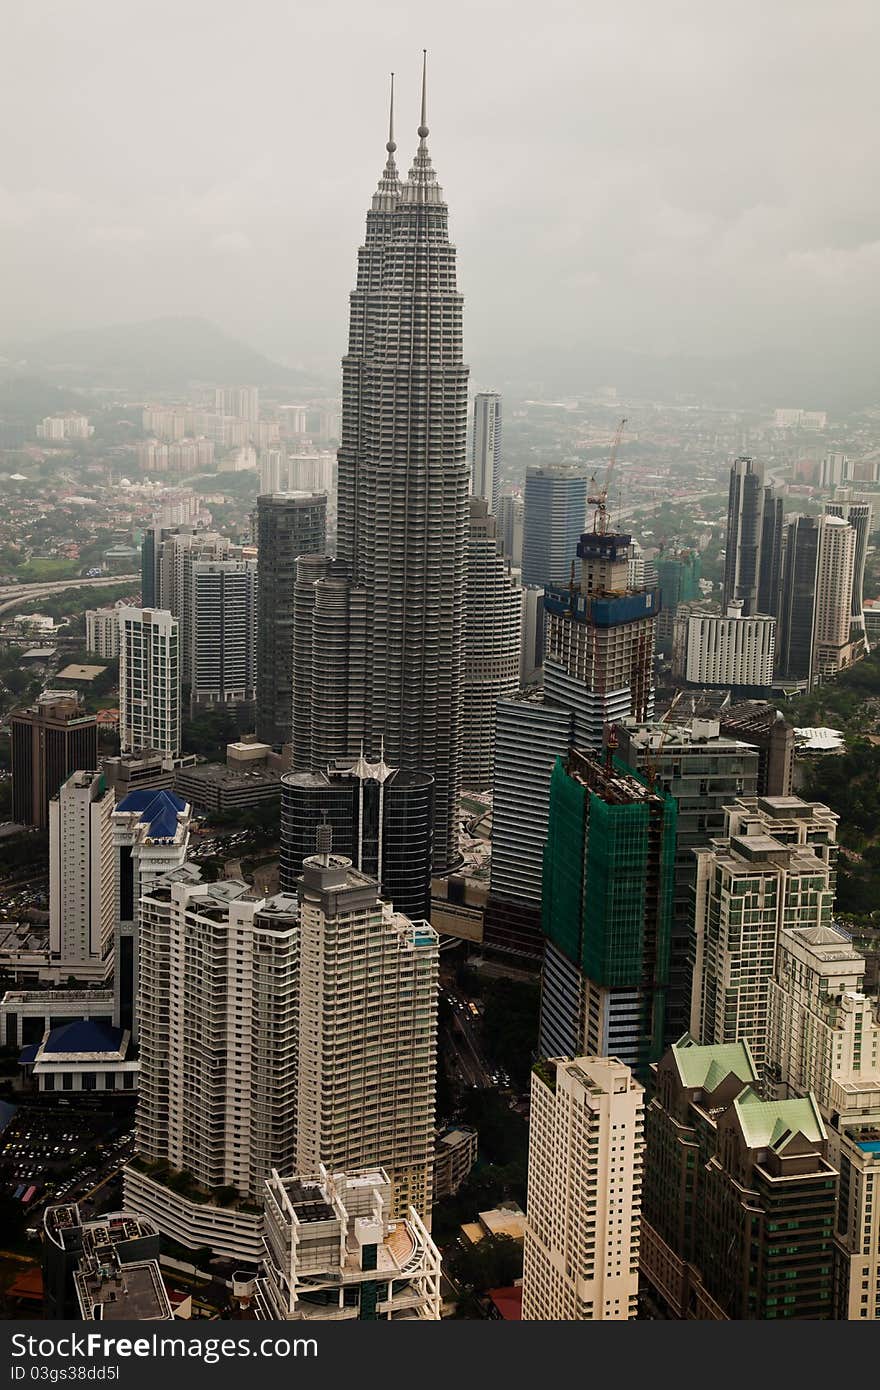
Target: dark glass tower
{"points": [[381, 819], [753, 556], [403, 481], [288, 524]]}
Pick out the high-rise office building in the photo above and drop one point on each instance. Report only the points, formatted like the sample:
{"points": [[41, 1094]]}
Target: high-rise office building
{"points": [[223, 634], [678, 579], [333, 1253], [288, 524], [530, 736], [49, 741], [609, 866], [598, 668], [704, 771], [81, 884], [774, 867], [150, 839], [218, 1003], [493, 641], [149, 681], [599, 659], [586, 1146], [554, 517], [403, 481], [102, 632], [510, 525], [380, 817], [730, 650], [797, 603], [486, 449], [367, 1032], [754, 540], [330, 664], [739, 1194]]}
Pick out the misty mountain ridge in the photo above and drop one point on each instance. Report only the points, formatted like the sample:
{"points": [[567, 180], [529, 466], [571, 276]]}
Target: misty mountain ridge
{"points": [[167, 353]]}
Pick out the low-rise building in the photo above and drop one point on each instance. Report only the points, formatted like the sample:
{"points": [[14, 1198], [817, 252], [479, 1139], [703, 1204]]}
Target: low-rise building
{"points": [[333, 1254], [455, 1154], [102, 1270]]}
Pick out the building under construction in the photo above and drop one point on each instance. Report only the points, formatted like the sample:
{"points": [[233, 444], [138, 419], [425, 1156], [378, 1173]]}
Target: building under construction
{"points": [[609, 868]]}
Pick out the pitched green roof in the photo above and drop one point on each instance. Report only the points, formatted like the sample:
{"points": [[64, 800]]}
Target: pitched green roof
{"points": [[705, 1066], [770, 1124]]}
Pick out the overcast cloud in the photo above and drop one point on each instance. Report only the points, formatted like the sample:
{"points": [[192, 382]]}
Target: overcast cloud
{"points": [[696, 178]]}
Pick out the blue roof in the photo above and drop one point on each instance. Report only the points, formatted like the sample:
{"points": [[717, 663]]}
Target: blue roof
{"points": [[158, 808], [84, 1035], [6, 1113], [28, 1054]]}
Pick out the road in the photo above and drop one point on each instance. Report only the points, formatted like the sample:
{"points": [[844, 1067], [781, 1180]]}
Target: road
{"points": [[14, 595]]}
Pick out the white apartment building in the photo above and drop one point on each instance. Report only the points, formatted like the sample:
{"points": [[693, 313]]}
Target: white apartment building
{"points": [[833, 470], [824, 1031], [81, 886], [281, 471], [773, 869], [731, 650], [492, 647], [230, 1014], [71, 425], [102, 632], [833, 619], [334, 1254], [367, 1033], [586, 1147], [223, 632], [177, 554], [825, 1039], [149, 680]]}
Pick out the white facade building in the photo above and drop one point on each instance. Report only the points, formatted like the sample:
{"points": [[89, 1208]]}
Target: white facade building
{"points": [[731, 650], [493, 639], [149, 680], [81, 889], [586, 1147], [218, 1010], [825, 1039], [281, 471], [102, 632], [367, 1033], [333, 1253]]}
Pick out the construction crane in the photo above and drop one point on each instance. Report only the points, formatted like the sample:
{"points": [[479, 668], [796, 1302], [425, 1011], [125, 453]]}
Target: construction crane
{"points": [[599, 500], [652, 756]]}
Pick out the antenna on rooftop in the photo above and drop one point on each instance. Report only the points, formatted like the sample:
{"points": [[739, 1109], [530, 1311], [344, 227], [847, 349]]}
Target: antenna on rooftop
{"points": [[324, 840]]}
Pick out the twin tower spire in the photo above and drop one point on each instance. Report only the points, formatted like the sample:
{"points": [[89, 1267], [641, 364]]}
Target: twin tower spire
{"points": [[421, 185]]}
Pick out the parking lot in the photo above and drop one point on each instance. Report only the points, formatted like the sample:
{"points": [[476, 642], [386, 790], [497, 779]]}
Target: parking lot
{"points": [[61, 1153]]}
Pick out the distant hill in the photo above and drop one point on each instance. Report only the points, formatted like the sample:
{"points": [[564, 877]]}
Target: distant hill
{"points": [[167, 353]]}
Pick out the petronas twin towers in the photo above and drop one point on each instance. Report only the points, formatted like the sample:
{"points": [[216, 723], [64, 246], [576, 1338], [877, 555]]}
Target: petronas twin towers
{"points": [[396, 593]]}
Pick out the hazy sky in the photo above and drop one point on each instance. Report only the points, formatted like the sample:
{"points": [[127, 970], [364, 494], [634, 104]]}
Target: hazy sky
{"points": [[662, 175]]}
